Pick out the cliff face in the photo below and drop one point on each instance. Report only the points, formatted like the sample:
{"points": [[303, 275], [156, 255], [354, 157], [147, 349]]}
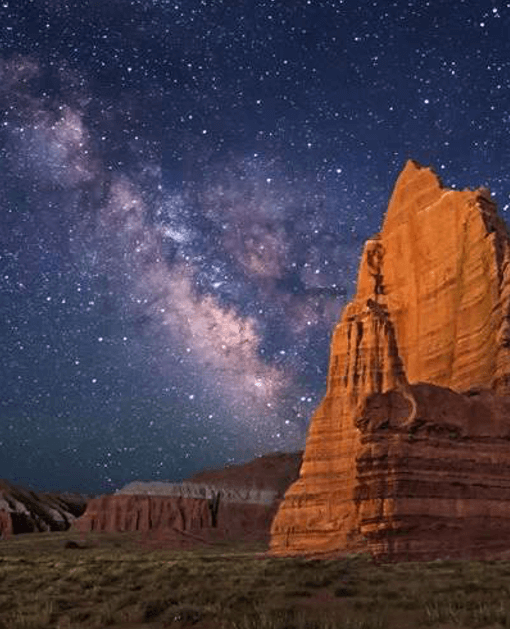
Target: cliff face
{"points": [[440, 489], [193, 519], [432, 306], [444, 275], [235, 503]]}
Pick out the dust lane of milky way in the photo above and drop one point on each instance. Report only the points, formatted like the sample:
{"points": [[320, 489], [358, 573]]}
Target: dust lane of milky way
{"points": [[184, 191]]}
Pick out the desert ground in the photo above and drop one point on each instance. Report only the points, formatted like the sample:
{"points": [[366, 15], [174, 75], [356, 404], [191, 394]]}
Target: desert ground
{"points": [[128, 581]]}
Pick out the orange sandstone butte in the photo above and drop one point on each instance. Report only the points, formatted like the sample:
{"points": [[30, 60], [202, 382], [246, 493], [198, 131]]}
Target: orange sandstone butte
{"points": [[408, 455]]}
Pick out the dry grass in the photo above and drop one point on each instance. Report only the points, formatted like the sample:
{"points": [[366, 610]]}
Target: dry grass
{"points": [[115, 583]]}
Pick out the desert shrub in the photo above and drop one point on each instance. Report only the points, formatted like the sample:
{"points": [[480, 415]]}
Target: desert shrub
{"points": [[318, 582], [240, 602], [154, 608], [269, 619], [79, 615], [490, 614], [345, 590], [185, 614], [287, 619], [63, 604], [297, 593], [106, 614]]}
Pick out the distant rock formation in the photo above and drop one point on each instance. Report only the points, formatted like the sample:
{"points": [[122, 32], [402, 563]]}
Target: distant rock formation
{"points": [[274, 472], [235, 503], [241, 495], [408, 454], [196, 517], [25, 511]]}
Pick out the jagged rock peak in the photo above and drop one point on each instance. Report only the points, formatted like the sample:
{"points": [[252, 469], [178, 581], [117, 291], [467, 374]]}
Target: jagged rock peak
{"points": [[417, 188], [439, 266], [432, 306]]}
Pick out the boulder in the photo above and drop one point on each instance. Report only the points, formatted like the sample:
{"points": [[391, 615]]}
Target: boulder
{"points": [[408, 454]]}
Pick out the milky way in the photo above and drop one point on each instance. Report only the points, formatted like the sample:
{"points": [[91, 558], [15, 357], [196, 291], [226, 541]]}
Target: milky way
{"points": [[185, 189]]}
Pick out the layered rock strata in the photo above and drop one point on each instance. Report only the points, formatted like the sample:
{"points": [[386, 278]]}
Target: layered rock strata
{"points": [[440, 489], [240, 495], [198, 517], [236, 502], [26, 511], [398, 468], [151, 512]]}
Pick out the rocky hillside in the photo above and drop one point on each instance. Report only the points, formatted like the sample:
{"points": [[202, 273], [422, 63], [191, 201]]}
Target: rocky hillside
{"points": [[26, 511]]}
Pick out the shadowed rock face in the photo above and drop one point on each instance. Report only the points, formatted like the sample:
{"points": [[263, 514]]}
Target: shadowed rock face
{"points": [[273, 472], [395, 450], [24, 511], [174, 514]]}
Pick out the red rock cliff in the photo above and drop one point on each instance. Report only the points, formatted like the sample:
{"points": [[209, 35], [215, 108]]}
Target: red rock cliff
{"points": [[160, 515], [432, 305], [249, 494]]}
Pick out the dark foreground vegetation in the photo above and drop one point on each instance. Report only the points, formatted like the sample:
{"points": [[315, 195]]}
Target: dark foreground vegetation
{"points": [[114, 582]]}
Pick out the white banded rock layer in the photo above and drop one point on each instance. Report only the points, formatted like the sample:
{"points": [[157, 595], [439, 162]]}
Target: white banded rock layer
{"points": [[200, 491]]}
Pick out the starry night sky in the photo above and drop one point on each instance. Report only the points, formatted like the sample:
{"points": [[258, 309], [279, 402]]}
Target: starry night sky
{"points": [[185, 188]]}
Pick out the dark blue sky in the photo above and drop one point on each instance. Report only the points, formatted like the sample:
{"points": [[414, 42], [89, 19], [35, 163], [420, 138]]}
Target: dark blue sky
{"points": [[185, 187]]}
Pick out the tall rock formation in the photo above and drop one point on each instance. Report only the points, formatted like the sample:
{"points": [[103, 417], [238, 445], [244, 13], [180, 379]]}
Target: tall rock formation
{"points": [[408, 452]]}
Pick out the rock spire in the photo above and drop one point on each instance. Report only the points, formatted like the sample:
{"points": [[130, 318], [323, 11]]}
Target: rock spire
{"points": [[422, 349]]}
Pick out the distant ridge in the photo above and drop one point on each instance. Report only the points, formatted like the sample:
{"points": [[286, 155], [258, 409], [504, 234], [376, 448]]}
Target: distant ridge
{"points": [[26, 511]]}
